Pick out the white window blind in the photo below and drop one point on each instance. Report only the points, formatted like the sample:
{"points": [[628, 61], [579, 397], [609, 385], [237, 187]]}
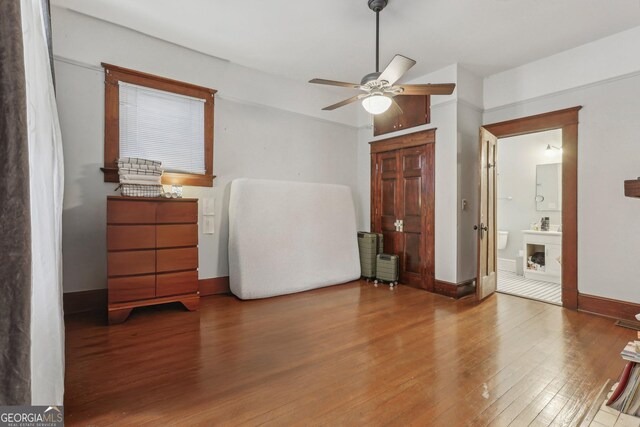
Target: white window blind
{"points": [[162, 126]]}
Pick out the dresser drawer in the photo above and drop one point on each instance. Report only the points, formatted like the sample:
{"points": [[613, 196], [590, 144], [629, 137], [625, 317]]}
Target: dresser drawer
{"points": [[131, 262], [134, 288], [177, 212], [123, 237], [130, 212], [185, 282], [177, 259], [171, 236]]}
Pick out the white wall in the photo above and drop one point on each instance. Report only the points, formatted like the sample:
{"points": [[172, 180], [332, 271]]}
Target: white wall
{"points": [[592, 63], [363, 170], [469, 122], [608, 154], [92, 41], [469, 116], [516, 167], [251, 140]]}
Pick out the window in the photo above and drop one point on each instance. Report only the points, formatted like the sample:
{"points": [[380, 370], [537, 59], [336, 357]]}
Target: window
{"points": [[162, 126], [160, 119]]}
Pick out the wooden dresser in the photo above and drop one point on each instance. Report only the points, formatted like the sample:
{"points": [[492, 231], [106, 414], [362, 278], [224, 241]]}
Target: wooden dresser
{"points": [[152, 253]]}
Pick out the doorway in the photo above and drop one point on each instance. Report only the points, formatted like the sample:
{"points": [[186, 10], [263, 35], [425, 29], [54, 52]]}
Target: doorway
{"points": [[529, 216], [403, 202], [566, 251]]}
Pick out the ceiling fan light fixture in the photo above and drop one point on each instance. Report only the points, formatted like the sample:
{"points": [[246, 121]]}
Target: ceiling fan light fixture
{"points": [[376, 103], [380, 87]]}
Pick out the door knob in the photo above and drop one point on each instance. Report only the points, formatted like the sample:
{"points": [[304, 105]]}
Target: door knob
{"points": [[481, 228]]}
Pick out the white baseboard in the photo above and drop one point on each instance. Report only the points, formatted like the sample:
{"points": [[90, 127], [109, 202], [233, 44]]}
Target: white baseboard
{"points": [[506, 264]]}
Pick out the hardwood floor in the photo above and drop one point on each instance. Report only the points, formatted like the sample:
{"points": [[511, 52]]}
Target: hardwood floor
{"points": [[346, 355]]}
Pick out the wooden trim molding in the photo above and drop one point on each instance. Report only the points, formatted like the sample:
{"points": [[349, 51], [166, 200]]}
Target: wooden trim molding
{"points": [[455, 290], [538, 123], [115, 74], [567, 120], [111, 175], [96, 299], [408, 140], [214, 286], [607, 307]]}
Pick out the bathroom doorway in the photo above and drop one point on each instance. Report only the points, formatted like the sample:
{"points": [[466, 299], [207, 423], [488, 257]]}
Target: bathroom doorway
{"points": [[529, 216], [539, 245]]}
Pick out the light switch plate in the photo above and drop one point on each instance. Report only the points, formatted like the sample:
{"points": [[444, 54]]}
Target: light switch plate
{"points": [[208, 206], [207, 226]]}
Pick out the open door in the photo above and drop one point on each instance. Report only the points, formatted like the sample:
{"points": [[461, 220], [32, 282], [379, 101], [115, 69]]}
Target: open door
{"points": [[486, 227]]}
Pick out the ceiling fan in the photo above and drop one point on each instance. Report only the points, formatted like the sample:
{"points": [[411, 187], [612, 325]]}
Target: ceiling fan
{"points": [[380, 88]]}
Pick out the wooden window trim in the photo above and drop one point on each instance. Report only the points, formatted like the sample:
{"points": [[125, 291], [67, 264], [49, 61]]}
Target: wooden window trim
{"points": [[114, 74]]}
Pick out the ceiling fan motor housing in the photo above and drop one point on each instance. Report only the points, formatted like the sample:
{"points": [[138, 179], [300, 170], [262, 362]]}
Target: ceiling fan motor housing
{"points": [[377, 5], [369, 78]]}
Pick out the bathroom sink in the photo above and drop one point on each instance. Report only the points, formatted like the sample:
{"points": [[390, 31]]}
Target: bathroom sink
{"points": [[548, 233]]}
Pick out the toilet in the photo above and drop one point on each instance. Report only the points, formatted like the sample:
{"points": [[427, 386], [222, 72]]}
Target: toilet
{"points": [[502, 239]]}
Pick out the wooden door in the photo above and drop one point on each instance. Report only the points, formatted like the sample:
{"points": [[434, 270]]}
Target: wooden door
{"points": [[404, 211], [415, 110], [388, 197], [486, 227]]}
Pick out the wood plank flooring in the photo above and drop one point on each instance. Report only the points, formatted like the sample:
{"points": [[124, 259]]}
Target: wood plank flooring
{"points": [[351, 354]]}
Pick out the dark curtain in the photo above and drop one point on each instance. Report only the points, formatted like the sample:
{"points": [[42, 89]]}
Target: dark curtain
{"points": [[15, 218]]}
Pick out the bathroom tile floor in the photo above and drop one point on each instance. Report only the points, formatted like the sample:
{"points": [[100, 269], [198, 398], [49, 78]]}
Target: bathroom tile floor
{"points": [[512, 284]]}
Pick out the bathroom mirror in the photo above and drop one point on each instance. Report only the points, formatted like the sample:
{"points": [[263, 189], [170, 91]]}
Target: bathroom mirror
{"points": [[549, 187]]}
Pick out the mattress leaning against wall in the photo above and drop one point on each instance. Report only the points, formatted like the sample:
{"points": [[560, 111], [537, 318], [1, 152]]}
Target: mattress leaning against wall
{"points": [[287, 237]]}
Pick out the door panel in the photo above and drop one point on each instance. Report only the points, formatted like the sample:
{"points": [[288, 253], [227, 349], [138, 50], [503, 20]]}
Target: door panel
{"points": [[388, 201], [412, 262], [487, 230], [388, 197], [402, 190], [411, 212], [412, 186]]}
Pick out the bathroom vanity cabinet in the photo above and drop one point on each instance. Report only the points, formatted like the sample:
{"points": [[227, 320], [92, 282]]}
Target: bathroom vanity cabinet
{"points": [[550, 244]]}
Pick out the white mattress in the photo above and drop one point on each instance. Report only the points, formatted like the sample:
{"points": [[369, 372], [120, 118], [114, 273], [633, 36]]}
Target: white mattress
{"points": [[287, 237]]}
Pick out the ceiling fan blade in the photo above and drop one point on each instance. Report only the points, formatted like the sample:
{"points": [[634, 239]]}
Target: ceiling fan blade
{"points": [[334, 83], [428, 89], [396, 68], [342, 103]]}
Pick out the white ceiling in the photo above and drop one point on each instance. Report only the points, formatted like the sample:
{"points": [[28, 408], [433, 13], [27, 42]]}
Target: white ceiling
{"points": [[334, 39]]}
